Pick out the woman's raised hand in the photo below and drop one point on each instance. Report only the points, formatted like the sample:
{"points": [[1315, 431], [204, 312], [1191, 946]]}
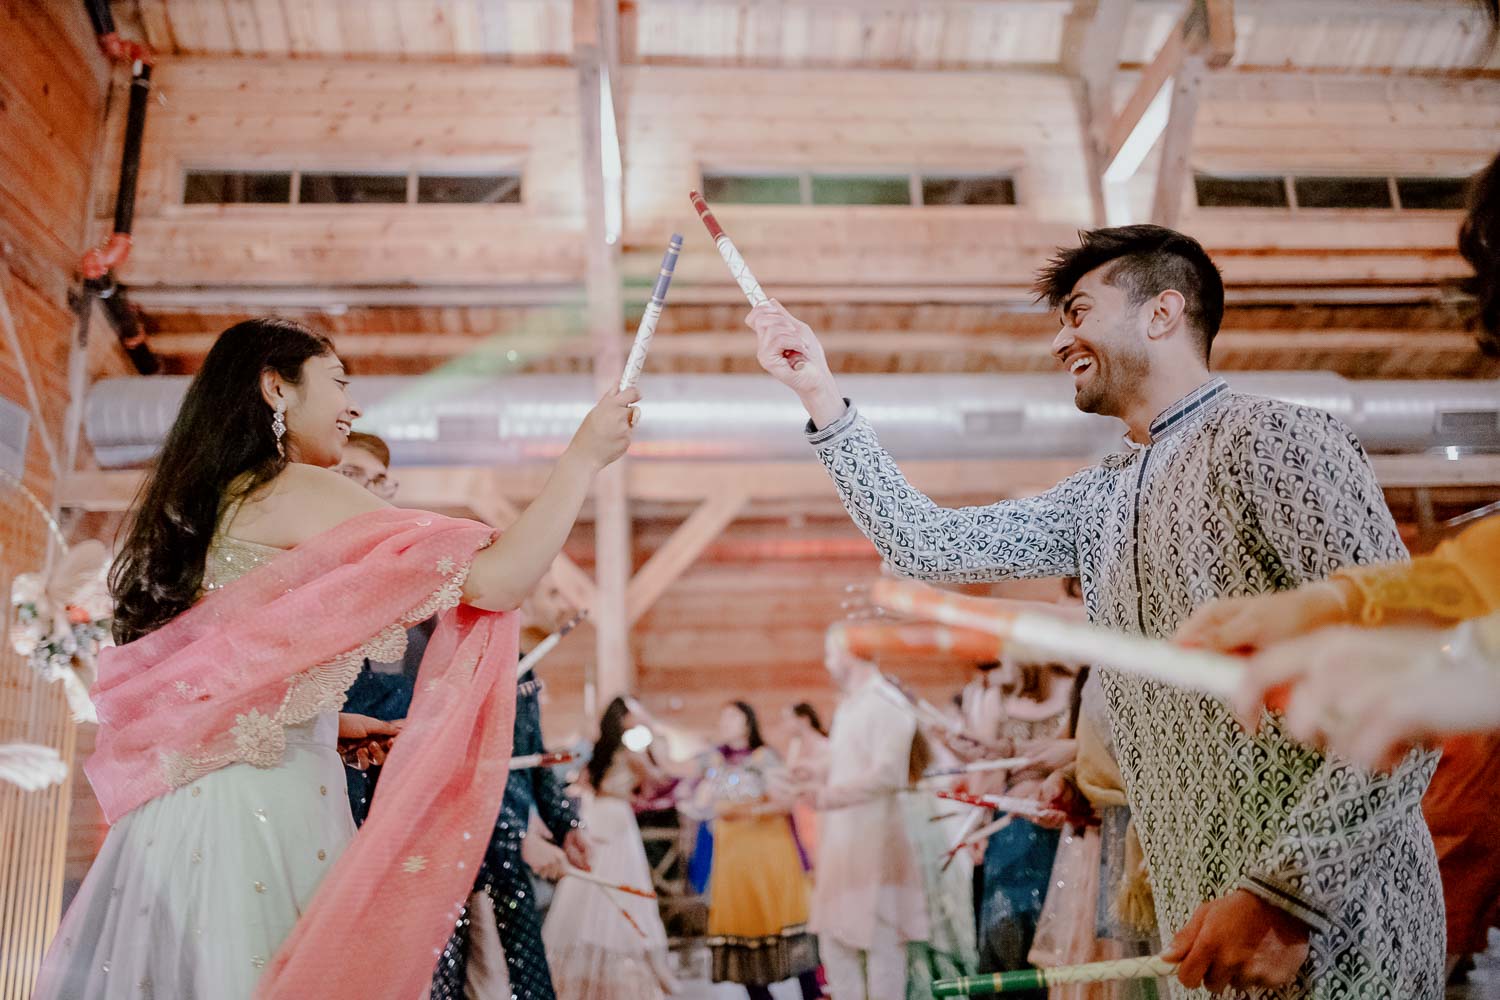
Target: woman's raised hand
{"points": [[605, 433]]}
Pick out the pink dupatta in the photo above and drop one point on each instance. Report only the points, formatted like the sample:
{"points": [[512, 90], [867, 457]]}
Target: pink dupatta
{"points": [[219, 684]]}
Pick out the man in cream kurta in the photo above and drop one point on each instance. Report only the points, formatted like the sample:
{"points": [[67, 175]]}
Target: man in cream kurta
{"points": [[868, 900]]}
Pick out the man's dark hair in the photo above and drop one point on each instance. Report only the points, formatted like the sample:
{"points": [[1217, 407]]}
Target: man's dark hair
{"points": [[1479, 243], [1147, 260], [373, 445]]}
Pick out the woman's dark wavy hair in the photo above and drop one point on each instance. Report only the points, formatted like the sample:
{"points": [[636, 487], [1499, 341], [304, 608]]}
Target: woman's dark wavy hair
{"points": [[752, 723], [611, 738], [1479, 243], [806, 711], [222, 433]]}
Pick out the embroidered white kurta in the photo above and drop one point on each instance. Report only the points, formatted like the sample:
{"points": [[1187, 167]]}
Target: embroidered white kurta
{"points": [[866, 870], [1235, 495]]}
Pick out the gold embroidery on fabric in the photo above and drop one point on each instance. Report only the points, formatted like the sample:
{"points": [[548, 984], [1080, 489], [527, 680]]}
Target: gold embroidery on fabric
{"points": [[260, 740]]}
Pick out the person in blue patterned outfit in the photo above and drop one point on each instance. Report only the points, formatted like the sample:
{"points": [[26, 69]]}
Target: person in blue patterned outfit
{"points": [[382, 694], [504, 879], [1282, 872]]}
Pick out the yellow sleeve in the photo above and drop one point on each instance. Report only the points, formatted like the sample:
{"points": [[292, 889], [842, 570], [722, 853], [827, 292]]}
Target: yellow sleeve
{"points": [[1460, 579]]}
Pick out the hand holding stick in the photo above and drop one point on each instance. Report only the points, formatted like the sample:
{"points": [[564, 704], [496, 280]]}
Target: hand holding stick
{"points": [[738, 269]]}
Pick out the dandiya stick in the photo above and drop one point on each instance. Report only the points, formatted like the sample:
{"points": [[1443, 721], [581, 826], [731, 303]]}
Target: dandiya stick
{"points": [[1150, 967], [551, 758], [978, 835], [869, 640], [628, 890], [643, 333], [1197, 670], [738, 269], [1028, 808], [547, 645], [930, 717], [977, 767]]}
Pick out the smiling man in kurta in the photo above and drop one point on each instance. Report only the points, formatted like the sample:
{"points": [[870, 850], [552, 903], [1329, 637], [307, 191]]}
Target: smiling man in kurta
{"points": [[1281, 872]]}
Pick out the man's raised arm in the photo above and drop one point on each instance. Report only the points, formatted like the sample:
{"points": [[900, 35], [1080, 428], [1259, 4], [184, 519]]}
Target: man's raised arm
{"points": [[1032, 537]]}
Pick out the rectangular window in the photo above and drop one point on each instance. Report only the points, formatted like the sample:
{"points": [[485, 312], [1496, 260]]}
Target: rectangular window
{"points": [[752, 189], [1449, 193], [1342, 192], [352, 189], [998, 189], [469, 189], [1240, 192], [856, 189], [236, 187]]}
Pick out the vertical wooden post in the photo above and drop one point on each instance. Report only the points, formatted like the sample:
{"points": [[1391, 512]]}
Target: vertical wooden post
{"points": [[1177, 141], [613, 671]]}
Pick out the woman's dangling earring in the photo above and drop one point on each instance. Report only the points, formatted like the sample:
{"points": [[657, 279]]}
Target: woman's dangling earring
{"points": [[278, 426]]}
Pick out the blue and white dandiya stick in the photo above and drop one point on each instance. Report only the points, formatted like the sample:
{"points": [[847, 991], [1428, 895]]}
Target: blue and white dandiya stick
{"points": [[1150, 967], [643, 333]]}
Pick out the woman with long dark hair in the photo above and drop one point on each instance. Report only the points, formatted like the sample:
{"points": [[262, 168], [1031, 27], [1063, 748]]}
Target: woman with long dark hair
{"points": [[605, 945], [758, 889], [252, 583]]}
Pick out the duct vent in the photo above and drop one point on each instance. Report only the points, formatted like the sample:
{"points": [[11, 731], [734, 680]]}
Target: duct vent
{"points": [[1467, 427], [468, 428], [994, 422]]}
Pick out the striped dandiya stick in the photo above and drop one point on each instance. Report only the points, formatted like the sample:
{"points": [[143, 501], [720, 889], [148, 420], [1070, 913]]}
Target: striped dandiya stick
{"points": [[547, 645], [738, 269], [1149, 967], [1198, 670], [628, 890], [643, 333], [870, 639], [552, 758], [1029, 808]]}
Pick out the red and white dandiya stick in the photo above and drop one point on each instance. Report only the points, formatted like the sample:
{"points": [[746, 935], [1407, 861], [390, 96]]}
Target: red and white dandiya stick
{"points": [[738, 269], [547, 645], [551, 758], [1198, 670], [628, 890], [1028, 808], [643, 333]]}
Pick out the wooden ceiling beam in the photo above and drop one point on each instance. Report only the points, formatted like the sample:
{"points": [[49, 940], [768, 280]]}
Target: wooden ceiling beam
{"points": [[679, 552], [695, 345]]}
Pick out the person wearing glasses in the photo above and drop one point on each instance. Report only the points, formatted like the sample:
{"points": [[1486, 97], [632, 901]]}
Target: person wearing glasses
{"points": [[381, 695]]}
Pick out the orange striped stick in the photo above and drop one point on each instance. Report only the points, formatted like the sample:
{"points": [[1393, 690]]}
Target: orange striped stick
{"points": [[1211, 673]]}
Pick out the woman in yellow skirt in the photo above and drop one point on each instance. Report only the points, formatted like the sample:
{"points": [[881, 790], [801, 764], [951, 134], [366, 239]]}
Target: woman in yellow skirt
{"points": [[758, 890]]}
